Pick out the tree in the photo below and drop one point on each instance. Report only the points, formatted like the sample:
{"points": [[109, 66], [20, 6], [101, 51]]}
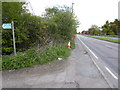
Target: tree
{"points": [[58, 25], [105, 28], [63, 23], [111, 32], [84, 32], [51, 11], [12, 11], [94, 30], [111, 28]]}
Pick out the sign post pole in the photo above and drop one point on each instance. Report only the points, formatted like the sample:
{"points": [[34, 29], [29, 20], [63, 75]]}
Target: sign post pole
{"points": [[13, 38]]}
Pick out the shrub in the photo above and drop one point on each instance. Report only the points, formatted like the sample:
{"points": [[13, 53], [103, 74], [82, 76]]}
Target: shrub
{"points": [[33, 56]]}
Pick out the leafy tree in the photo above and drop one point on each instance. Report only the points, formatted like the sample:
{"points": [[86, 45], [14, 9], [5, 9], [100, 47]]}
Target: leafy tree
{"points": [[63, 23], [58, 25], [111, 28], [111, 32], [12, 11], [51, 11], [94, 30], [84, 32]]}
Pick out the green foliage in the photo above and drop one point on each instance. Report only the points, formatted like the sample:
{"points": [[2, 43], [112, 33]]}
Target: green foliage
{"points": [[63, 23], [13, 11], [72, 44], [32, 57], [111, 32], [109, 28], [57, 25], [94, 30], [106, 39]]}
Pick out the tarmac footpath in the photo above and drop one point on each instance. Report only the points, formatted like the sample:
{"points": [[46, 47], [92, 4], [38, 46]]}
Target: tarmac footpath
{"points": [[78, 71]]}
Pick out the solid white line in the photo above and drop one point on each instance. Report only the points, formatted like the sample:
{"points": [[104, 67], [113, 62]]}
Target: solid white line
{"points": [[111, 73], [88, 48], [108, 46]]}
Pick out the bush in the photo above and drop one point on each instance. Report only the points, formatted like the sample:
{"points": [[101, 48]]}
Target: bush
{"points": [[57, 24], [33, 56]]}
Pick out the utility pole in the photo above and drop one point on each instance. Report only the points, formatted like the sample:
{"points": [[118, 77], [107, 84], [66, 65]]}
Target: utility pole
{"points": [[119, 10], [72, 7]]}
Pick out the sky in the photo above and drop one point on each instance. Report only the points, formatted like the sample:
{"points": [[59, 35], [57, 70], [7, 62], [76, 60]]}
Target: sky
{"points": [[88, 12]]}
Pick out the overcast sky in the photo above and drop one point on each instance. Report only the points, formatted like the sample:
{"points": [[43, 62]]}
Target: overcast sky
{"points": [[88, 12]]}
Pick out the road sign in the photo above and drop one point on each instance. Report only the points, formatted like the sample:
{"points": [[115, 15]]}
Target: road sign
{"points": [[7, 26], [11, 26]]}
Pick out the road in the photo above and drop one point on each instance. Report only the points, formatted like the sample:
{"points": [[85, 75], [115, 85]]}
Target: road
{"points": [[105, 51]]}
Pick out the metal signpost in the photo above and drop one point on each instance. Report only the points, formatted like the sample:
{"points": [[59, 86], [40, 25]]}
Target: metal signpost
{"points": [[11, 26]]}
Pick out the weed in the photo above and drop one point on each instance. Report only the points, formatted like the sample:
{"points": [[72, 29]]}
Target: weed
{"points": [[32, 57]]}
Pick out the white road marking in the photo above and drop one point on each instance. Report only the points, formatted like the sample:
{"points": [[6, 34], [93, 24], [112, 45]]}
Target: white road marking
{"points": [[108, 46], [111, 73], [88, 48]]}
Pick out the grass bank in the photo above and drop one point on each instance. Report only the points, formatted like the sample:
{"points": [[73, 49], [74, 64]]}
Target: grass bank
{"points": [[106, 39], [72, 44], [115, 36], [35, 56], [0, 64]]}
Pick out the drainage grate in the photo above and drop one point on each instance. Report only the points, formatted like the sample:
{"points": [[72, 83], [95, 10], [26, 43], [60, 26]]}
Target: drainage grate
{"points": [[71, 85]]}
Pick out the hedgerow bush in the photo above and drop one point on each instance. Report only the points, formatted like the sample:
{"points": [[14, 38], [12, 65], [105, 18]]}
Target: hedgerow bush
{"points": [[32, 57]]}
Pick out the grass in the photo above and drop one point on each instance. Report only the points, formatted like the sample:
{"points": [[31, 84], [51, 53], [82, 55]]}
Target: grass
{"points": [[116, 36], [34, 56], [72, 44], [106, 39], [0, 64]]}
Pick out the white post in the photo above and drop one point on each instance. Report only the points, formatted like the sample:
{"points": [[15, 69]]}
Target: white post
{"points": [[13, 38]]}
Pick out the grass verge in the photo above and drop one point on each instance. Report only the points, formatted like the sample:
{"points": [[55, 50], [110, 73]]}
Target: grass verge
{"points": [[106, 39], [34, 56], [72, 44]]}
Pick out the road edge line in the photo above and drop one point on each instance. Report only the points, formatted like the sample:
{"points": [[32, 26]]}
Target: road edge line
{"points": [[88, 49], [111, 72]]}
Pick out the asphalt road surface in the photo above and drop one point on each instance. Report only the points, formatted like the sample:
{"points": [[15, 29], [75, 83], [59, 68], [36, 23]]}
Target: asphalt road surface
{"points": [[106, 51]]}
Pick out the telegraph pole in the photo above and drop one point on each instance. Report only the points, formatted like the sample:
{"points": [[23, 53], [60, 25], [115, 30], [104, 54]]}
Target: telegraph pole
{"points": [[72, 7], [119, 10]]}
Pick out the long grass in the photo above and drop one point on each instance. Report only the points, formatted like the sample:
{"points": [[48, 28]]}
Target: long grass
{"points": [[72, 44], [34, 56]]}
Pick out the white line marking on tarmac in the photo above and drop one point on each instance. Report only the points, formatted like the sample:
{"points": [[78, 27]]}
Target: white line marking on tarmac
{"points": [[88, 48], [111, 72], [108, 46]]}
